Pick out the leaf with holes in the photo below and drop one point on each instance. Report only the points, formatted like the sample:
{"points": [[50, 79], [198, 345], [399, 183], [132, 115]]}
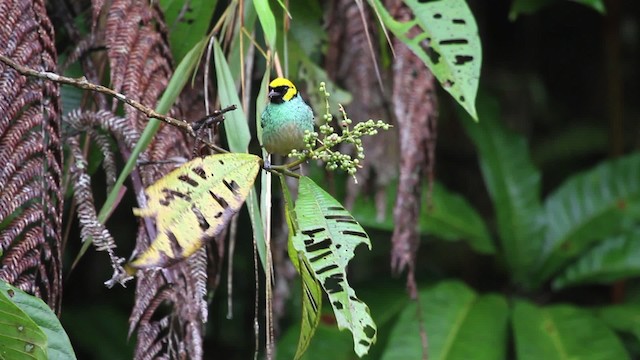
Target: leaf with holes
{"points": [[311, 292], [193, 203], [447, 42], [327, 239]]}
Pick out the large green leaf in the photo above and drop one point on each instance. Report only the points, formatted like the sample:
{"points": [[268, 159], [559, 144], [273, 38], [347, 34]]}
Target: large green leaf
{"points": [[29, 329], [329, 343], [587, 208], [450, 217], [615, 258], [448, 43], [562, 333], [623, 318], [459, 324], [327, 239], [188, 22], [514, 185]]}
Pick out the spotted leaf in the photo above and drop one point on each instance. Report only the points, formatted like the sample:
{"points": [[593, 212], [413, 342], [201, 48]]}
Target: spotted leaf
{"points": [[327, 238], [444, 35], [193, 203]]}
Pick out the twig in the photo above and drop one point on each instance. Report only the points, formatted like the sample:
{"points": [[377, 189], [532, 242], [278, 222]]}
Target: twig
{"points": [[83, 83]]}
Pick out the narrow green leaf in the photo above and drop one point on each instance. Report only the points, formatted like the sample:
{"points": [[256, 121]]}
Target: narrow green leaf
{"points": [[459, 324], [562, 333], [267, 21], [587, 208], [311, 292], [174, 88], [327, 239], [188, 22], [329, 343], [238, 137], [448, 43], [514, 185], [235, 123], [614, 259]]}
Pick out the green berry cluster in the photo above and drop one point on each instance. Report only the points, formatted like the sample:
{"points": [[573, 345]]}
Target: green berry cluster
{"points": [[329, 138]]}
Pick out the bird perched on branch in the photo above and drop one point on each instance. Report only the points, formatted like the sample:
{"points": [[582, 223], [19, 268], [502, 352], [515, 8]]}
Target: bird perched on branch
{"points": [[285, 118]]}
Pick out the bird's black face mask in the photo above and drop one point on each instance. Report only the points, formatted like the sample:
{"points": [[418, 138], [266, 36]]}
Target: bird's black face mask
{"points": [[276, 94]]}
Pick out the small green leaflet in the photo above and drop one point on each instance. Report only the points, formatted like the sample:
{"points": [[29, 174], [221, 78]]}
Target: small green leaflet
{"points": [[448, 44], [311, 292], [327, 239]]}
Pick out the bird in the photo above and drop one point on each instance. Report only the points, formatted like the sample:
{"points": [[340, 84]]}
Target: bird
{"points": [[285, 119]]}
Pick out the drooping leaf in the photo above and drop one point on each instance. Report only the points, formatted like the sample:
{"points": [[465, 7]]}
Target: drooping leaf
{"points": [[56, 341], [623, 318], [459, 323], [561, 333], [614, 259], [327, 239], [587, 208], [514, 185], [311, 292], [449, 44], [193, 203]]}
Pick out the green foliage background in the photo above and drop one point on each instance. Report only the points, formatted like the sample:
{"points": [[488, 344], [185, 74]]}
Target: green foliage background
{"points": [[530, 250]]}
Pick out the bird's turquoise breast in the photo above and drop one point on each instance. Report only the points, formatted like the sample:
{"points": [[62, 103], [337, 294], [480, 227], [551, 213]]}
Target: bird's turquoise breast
{"points": [[283, 125]]}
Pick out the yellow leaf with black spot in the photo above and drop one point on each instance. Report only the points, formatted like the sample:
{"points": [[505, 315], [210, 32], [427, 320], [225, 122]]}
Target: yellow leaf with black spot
{"points": [[192, 204]]}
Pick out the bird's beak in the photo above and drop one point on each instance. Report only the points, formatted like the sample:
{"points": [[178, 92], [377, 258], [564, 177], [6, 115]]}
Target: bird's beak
{"points": [[273, 93]]}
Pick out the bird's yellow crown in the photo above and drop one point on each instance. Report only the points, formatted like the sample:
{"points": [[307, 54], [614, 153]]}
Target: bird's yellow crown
{"points": [[286, 86]]}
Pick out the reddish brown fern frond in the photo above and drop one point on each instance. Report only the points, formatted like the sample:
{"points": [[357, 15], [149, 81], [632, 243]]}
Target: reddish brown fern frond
{"points": [[140, 63], [415, 106], [30, 151]]}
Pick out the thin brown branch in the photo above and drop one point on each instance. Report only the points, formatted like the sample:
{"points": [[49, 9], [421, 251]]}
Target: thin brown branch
{"points": [[84, 84]]}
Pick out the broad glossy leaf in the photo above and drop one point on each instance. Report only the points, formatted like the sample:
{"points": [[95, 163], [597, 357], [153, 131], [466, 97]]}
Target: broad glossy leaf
{"points": [[514, 185], [20, 336], [562, 333], [327, 239], [58, 346], [587, 208], [615, 258], [311, 291], [622, 318], [188, 22], [193, 203], [460, 324], [448, 43], [329, 343], [450, 217]]}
